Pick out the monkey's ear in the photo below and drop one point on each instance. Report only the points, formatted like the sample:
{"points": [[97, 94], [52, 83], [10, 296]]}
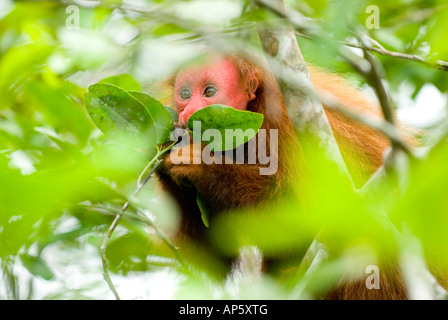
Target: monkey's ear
{"points": [[252, 86]]}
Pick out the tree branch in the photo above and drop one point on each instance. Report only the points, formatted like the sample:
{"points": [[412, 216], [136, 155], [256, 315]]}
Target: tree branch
{"points": [[439, 64]]}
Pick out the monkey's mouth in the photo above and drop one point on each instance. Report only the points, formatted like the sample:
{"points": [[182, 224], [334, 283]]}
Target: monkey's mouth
{"points": [[180, 133], [180, 126]]}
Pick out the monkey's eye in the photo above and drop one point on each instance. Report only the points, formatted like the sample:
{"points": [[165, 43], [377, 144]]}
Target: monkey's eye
{"points": [[185, 94], [210, 91]]}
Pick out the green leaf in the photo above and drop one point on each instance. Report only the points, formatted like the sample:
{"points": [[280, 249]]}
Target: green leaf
{"points": [[120, 116], [205, 212], [163, 121], [128, 253], [64, 145], [54, 99], [167, 29], [228, 127], [37, 267]]}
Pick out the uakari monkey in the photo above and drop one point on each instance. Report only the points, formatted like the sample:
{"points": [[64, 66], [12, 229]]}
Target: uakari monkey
{"points": [[239, 83], [242, 84]]}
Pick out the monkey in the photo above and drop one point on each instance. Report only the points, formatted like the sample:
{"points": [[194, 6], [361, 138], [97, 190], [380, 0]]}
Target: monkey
{"points": [[239, 82], [236, 82]]}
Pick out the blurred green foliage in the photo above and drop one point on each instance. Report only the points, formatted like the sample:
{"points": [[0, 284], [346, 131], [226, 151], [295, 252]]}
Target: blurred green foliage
{"points": [[62, 180]]}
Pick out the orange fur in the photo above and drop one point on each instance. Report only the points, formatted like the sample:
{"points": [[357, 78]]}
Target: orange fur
{"points": [[361, 146]]}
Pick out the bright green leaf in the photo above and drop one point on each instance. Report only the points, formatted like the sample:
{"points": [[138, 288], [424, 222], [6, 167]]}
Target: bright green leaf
{"points": [[120, 116], [173, 113], [37, 267], [228, 127], [205, 214], [163, 121]]}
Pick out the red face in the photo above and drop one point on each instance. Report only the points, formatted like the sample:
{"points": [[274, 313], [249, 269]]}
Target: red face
{"points": [[217, 82]]}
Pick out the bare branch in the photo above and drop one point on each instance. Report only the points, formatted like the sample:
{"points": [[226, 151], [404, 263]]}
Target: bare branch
{"points": [[439, 64]]}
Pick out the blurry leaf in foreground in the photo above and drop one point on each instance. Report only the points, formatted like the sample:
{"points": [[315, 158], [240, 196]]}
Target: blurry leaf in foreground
{"points": [[19, 63], [279, 229], [129, 252], [54, 99], [37, 267], [85, 48], [64, 145], [437, 33], [29, 200], [117, 162], [424, 207]]}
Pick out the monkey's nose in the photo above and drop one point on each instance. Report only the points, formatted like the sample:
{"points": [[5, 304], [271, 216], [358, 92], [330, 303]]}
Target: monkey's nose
{"points": [[182, 123], [194, 105], [178, 126], [184, 116]]}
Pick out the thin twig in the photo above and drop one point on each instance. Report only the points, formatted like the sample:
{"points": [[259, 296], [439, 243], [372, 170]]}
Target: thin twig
{"points": [[373, 75], [439, 64], [106, 274], [155, 162], [143, 218], [376, 47]]}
